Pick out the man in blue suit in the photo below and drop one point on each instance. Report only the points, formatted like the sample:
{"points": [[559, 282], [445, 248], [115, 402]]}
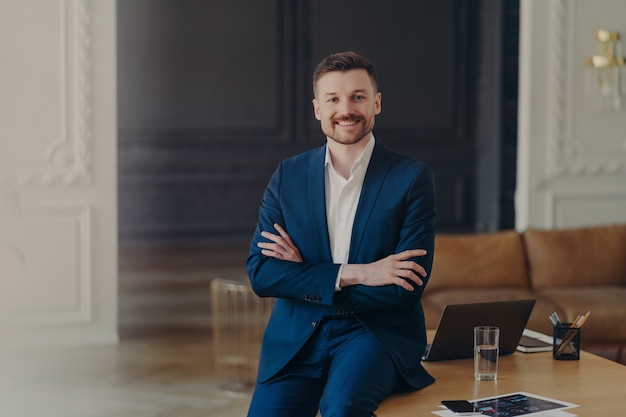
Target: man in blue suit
{"points": [[344, 242]]}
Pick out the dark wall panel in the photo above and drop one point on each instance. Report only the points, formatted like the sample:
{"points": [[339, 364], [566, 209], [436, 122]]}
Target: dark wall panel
{"points": [[202, 68], [179, 209], [213, 95], [413, 45]]}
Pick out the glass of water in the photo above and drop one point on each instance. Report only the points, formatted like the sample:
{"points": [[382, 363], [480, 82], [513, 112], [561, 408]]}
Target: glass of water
{"points": [[486, 350]]}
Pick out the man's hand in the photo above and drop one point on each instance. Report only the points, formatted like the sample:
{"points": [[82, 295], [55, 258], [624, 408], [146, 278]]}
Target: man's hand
{"points": [[282, 248], [394, 269]]}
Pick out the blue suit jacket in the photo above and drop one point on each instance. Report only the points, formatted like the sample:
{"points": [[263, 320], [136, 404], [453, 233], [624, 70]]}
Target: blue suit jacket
{"points": [[396, 211]]}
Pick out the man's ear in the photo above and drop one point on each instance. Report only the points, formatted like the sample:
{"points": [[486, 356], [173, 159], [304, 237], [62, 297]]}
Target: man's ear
{"points": [[378, 104], [316, 109]]}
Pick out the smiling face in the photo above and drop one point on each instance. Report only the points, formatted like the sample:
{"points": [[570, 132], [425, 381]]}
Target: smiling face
{"points": [[346, 103]]}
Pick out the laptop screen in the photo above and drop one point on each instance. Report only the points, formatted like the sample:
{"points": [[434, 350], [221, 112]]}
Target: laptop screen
{"points": [[454, 338]]}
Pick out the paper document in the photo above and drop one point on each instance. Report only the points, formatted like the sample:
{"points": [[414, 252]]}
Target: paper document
{"points": [[517, 404]]}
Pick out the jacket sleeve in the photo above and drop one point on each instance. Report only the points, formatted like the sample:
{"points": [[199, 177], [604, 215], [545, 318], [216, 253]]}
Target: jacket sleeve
{"points": [[311, 281]]}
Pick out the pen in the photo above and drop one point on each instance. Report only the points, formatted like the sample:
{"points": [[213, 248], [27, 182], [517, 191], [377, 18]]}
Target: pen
{"points": [[554, 318], [584, 319]]}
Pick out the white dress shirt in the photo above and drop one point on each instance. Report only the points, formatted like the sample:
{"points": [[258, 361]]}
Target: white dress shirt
{"points": [[342, 199]]}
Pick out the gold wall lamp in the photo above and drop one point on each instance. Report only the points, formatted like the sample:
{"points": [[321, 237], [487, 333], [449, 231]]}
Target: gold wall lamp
{"points": [[609, 65]]}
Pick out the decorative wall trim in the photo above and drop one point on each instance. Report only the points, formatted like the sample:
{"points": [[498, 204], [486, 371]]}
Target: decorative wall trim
{"points": [[571, 208], [569, 156], [63, 286], [68, 161], [556, 83]]}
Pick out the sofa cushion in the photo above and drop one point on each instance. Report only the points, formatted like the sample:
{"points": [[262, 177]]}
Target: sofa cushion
{"points": [[576, 257], [482, 260]]}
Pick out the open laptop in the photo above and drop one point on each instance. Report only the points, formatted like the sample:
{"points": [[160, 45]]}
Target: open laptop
{"points": [[454, 338]]}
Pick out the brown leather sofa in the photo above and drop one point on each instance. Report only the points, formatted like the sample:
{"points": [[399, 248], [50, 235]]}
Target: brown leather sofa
{"points": [[568, 271]]}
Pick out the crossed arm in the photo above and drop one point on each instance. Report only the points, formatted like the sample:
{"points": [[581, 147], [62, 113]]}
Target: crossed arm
{"points": [[394, 269]]}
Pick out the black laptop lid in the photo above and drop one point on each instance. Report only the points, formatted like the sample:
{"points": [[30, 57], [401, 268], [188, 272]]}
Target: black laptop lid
{"points": [[454, 338]]}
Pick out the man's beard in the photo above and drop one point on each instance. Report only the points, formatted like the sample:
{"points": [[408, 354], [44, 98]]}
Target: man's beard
{"points": [[350, 138]]}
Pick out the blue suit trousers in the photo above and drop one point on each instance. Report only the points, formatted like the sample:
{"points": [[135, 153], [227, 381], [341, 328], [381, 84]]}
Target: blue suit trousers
{"points": [[342, 370]]}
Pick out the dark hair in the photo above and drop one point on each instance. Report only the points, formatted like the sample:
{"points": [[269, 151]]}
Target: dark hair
{"points": [[345, 61]]}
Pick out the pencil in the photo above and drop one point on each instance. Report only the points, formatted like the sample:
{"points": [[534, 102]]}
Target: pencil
{"points": [[577, 324]]}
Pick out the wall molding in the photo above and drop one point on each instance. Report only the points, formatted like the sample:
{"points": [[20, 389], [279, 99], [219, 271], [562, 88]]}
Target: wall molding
{"points": [[568, 156], [596, 207], [67, 160], [64, 294]]}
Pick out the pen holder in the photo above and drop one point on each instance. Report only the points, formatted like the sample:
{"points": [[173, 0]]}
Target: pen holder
{"points": [[566, 342]]}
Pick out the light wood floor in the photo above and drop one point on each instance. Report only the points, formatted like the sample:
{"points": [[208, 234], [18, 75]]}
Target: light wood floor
{"points": [[163, 366]]}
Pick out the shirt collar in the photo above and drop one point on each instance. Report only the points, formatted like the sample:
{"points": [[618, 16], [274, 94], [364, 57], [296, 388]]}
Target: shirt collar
{"points": [[364, 159]]}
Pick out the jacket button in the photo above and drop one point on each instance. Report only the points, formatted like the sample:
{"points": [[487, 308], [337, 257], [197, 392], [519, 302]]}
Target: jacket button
{"points": [[314, 324]]}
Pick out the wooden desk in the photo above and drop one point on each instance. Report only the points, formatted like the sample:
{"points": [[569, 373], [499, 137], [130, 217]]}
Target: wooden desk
{"points": [[596, 384]]}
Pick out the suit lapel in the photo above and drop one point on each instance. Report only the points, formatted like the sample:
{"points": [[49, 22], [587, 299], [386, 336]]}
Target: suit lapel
{"points": [[317, 200], [374, 178]]}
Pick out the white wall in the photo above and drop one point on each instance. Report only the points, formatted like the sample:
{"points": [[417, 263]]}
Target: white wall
{"points": [[58, 204], [571, 152]]}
